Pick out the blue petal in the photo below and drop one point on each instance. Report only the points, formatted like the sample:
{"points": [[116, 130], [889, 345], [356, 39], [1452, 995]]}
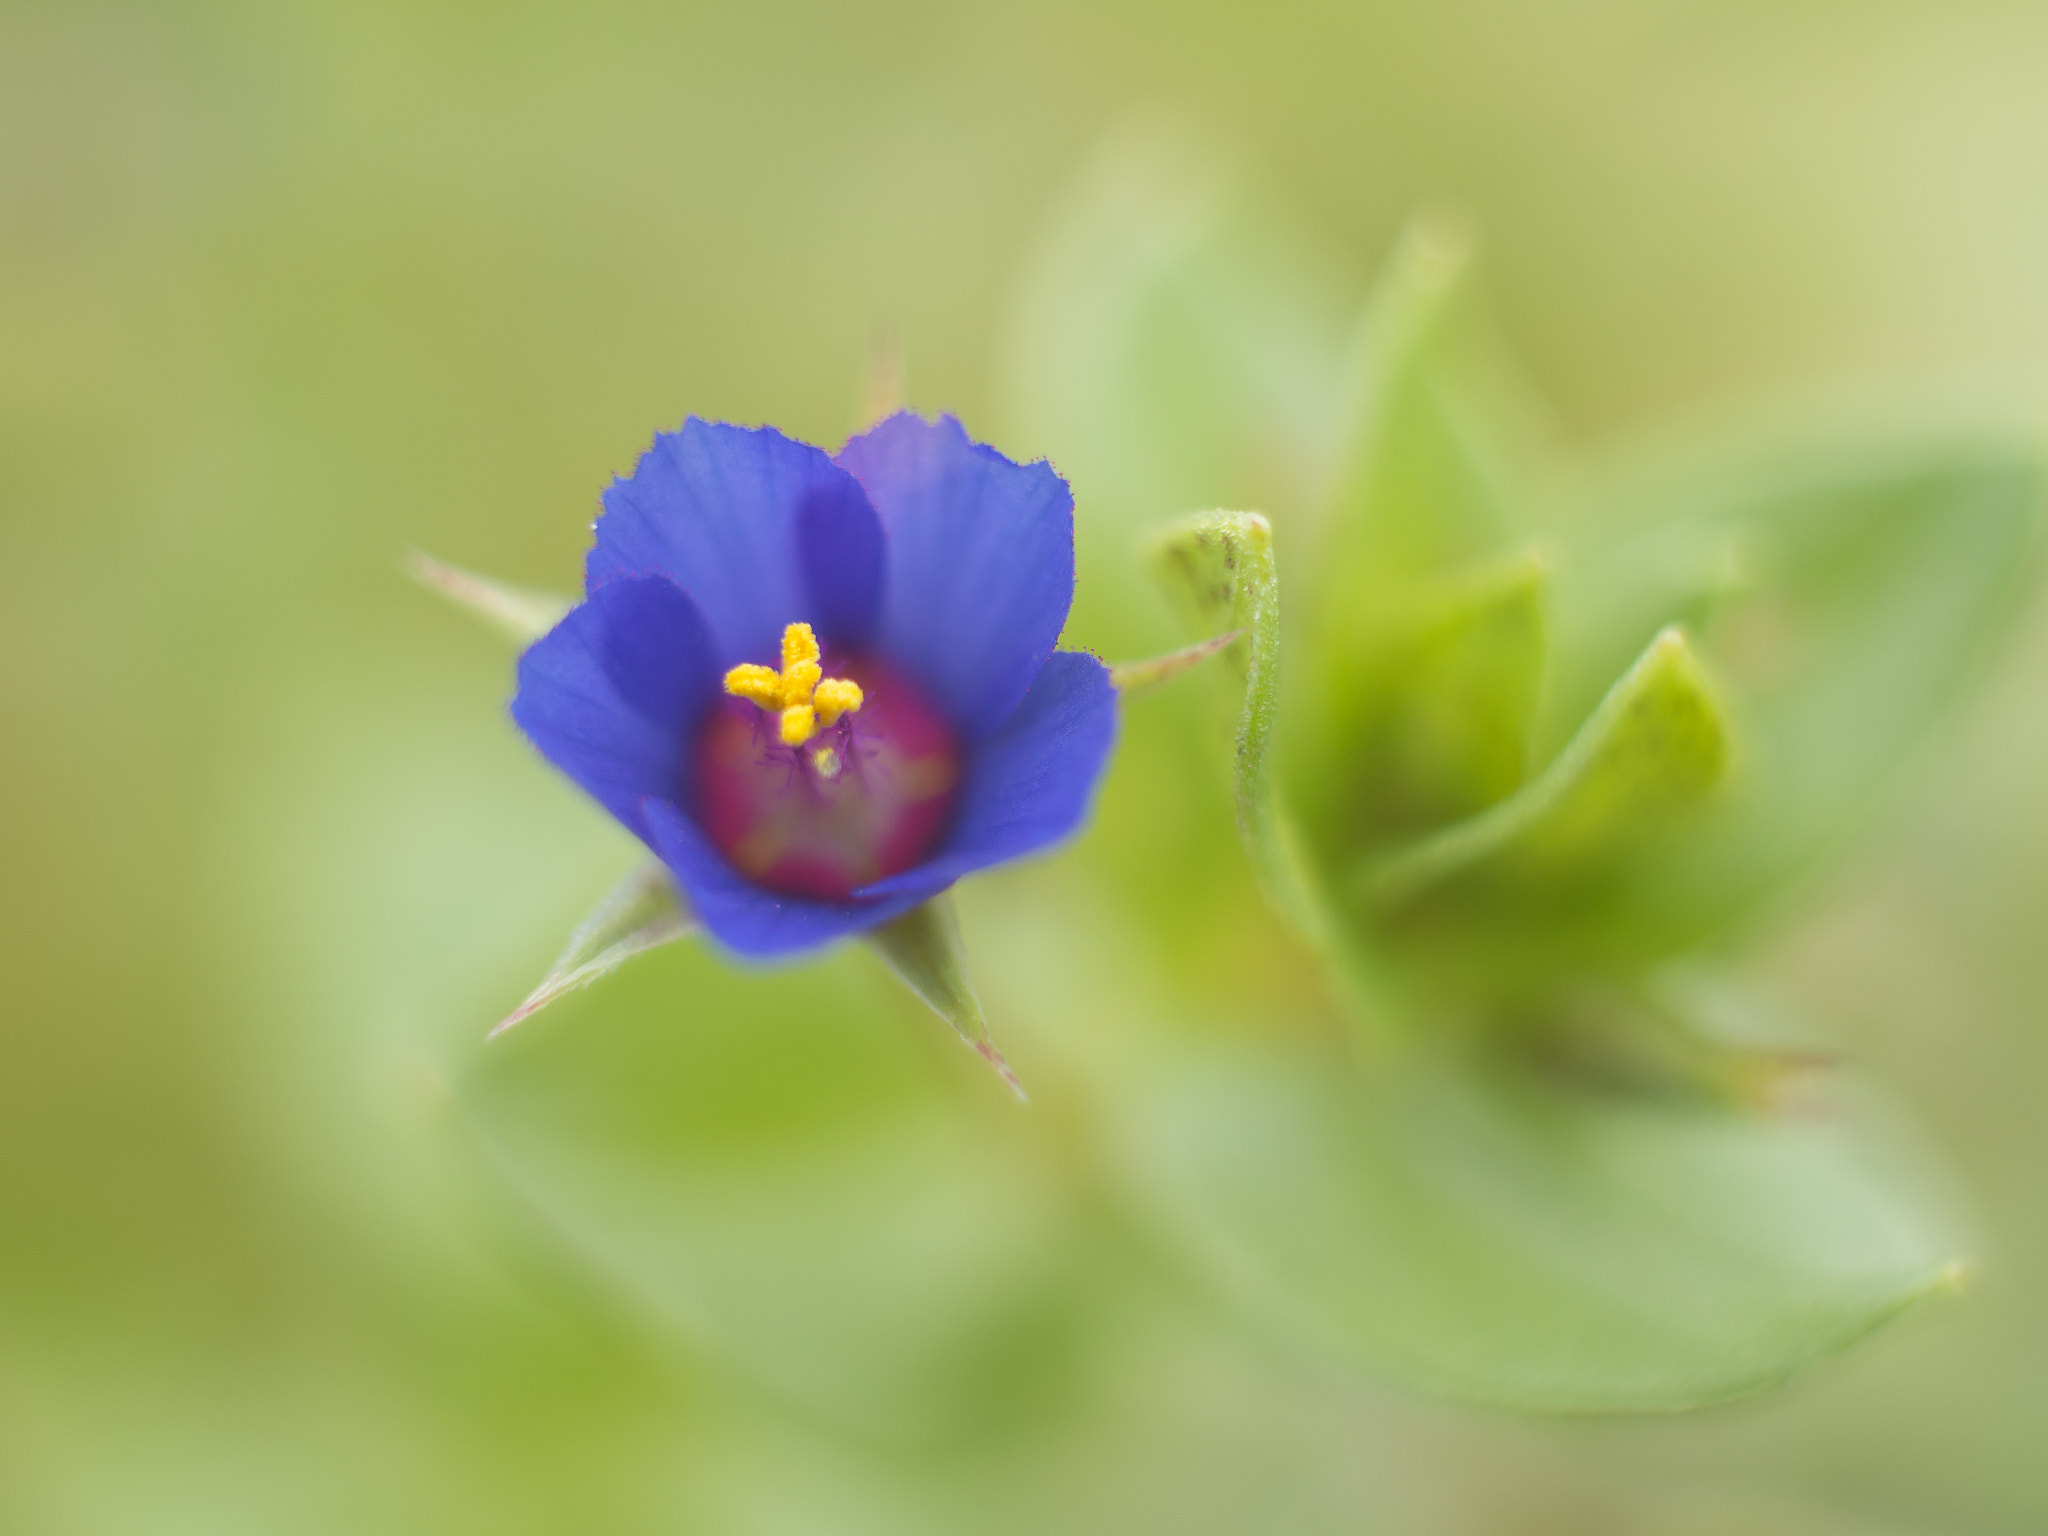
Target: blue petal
{"points": [[760, 530], [745, 918], [981, 563], [612, 694], [840, 547], [1031, 783]]}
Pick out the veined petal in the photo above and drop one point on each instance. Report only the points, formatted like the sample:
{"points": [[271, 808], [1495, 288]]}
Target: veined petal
{"points": [[759, 529], [741, 915], [980, 563], [612, 694], [840, 552], [1028, 785]]}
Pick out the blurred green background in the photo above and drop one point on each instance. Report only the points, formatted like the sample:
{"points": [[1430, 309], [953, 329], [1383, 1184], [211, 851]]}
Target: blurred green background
{"points": [[287, 288]]}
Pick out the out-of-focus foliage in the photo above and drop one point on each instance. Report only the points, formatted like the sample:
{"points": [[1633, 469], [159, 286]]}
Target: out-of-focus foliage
{"points": [[1468, 892], [1545, 1187], [1525, 1241], [285, 291], [786, 1186]]}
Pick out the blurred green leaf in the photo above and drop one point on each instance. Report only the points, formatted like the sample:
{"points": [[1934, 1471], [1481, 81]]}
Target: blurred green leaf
{"points": [[1496, 1236], [1432, 720], [1651, 752], [642, 912], [1174, 344], [1427, 640], [923, 949], [1414, 494], [1843, 595], [518, 613], [780, 1176]]}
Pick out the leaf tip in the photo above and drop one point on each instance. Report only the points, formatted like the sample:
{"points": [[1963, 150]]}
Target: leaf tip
{"points": [[1952, 1278], [1443, 235], [423, 568], [995, 1059], [523, 1012], [1670, 643]]}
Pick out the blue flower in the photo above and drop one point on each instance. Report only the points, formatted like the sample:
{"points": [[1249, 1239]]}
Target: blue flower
{"points": [[822, 689]]}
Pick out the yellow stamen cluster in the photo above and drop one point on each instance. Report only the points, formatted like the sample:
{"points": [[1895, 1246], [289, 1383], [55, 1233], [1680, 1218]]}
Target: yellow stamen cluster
{"points": [[806, 699]]}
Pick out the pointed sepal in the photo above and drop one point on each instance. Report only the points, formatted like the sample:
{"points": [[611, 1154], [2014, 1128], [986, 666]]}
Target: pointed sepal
{"points": [[518, 613], [642, 912], [923, 948]]}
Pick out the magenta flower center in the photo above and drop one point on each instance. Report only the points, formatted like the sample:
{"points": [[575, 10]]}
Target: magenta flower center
{"points": [[816, 809]]}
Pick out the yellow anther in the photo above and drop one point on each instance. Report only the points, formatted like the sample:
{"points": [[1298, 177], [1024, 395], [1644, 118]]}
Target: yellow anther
{"points": [[762, 684], [826, 761], [798, 679], [836, 696], [798, 644], [799, 724], [800, 692]]}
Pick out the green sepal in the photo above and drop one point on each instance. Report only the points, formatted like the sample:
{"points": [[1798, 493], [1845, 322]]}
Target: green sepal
{"points": [[518, 613], [923, 948], [1649, 755], [642, 912]]}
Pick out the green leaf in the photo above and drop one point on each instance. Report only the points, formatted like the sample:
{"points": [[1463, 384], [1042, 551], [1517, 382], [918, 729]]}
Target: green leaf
{"points": [[1650, 754], [923, 949], [641, 913], [1428, 640], [1522, 1241], [518, 613], [1416, 491], [1132, 677], [1845, 595], [1432, 722]]}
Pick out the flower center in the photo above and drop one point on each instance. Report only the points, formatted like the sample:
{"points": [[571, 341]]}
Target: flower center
{"points": [[816, 786], [800, 694]]}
